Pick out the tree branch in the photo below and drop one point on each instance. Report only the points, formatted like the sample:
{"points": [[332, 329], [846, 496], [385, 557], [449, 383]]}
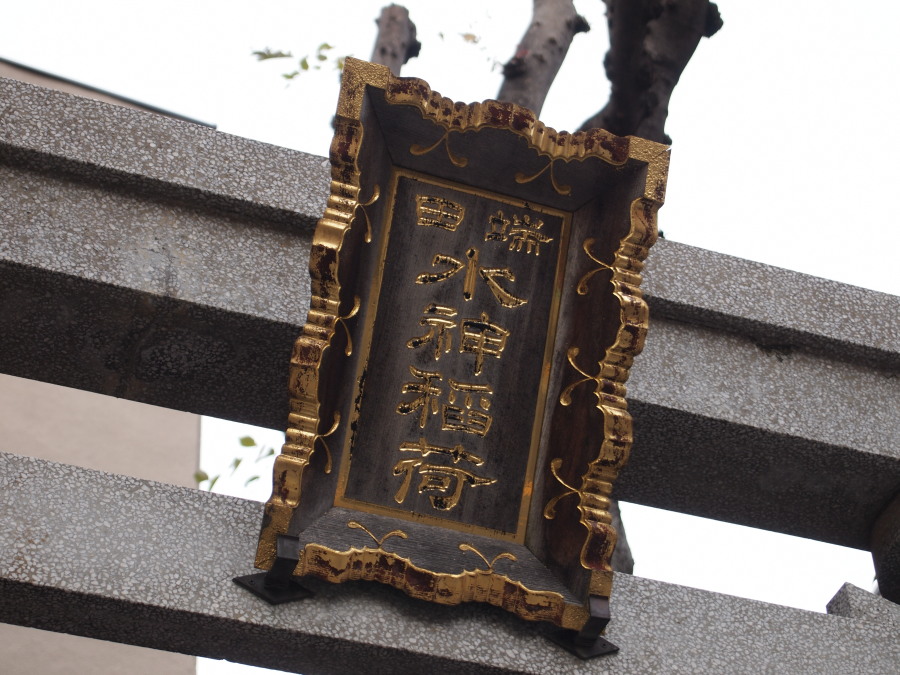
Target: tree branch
{"points": [[396, 42], [651, 42], [530, 72]]}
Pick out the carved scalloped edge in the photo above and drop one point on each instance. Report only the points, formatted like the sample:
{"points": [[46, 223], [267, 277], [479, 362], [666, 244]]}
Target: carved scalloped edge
{"points": [[462, 117], [305, 416], [597, 481], [376, 564]]}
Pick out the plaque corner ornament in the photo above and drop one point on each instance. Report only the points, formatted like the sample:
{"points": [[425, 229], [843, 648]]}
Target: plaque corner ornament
{"points": [[451, 299]]}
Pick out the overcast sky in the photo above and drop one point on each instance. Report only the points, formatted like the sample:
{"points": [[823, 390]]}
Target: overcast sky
{"points": [[784, 128]]}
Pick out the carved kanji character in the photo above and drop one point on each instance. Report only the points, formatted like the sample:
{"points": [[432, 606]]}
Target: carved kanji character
{"points": [[490, 275], [482, 338], [426, 398], [439, 329], [463, 417], [526, 234], [447, 481], [438, 212]]}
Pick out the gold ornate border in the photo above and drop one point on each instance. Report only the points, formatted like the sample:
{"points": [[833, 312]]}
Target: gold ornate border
{"points": [[479, 585], [609, 390], [306, 417]]}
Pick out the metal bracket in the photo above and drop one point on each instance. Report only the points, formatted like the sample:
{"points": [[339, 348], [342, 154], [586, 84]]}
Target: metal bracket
{"points": [[587, 643], [278, 585]]}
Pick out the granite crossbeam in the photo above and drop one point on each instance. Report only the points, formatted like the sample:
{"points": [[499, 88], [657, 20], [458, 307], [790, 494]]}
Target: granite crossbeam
{"points": [[121, 559]]}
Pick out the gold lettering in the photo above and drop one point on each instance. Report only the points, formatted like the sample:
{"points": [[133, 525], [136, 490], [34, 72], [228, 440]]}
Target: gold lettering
{"points": [[427, 395], [457, 453], [446, 481], [463, 418], [453, 266], [482, 338], [438, 212], [489, 275], [498, 226], [439, 327], [522, 234]]}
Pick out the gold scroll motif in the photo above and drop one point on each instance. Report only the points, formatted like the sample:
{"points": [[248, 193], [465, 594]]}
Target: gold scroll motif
{"points": [[342, 320], [456, 160], [302, 436], [564, 190], [609, 390], [362, 206], [477, 585], [582, 287]]}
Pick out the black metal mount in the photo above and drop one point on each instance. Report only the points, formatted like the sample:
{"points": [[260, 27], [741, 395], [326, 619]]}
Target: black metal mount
{"points": [[587, 643], [278, 585]]}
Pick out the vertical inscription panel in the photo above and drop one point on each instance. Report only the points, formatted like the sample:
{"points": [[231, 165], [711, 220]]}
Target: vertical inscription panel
{"points": [[455, 365]]}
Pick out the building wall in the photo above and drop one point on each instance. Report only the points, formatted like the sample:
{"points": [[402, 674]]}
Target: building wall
{"points": [[14, 72]]}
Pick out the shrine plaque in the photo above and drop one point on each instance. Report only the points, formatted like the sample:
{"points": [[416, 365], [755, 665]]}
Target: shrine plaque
{"points": [[457, 394]]}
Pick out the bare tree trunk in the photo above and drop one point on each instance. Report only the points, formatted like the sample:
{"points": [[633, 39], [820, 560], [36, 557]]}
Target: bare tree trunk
{"points": [[527, 76], [396, 42], [651, 42]]}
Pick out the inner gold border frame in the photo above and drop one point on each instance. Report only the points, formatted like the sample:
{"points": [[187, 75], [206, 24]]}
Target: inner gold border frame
{"points": [[551, 325]]}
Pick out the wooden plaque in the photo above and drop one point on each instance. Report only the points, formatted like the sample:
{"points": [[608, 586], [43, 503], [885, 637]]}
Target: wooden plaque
{"points": [[457, 395]]}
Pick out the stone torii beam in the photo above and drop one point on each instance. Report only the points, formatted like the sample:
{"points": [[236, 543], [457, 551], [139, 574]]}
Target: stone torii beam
{"points": [[155, 260]]}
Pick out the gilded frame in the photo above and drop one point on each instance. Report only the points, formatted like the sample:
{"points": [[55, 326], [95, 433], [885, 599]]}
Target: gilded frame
{"points": [[586, 432]]}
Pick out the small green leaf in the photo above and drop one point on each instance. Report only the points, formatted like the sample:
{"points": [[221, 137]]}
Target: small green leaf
{"points": [[339, 64], [211, 483], [304, 63], [235, 463], [324, 47], [266, 54], [247, 441], [250, 480], [290, 76], [200, 476], [321, 57]]}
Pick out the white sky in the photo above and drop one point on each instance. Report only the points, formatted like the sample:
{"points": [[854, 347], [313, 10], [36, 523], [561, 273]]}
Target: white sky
{"points": [[785, 136]]}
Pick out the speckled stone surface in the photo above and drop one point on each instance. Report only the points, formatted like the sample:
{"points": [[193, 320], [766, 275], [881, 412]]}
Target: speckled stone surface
{"points": [[778, 308], [856, 603], [798, 443], [150, 564], [151, 259], [103, 143]]}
